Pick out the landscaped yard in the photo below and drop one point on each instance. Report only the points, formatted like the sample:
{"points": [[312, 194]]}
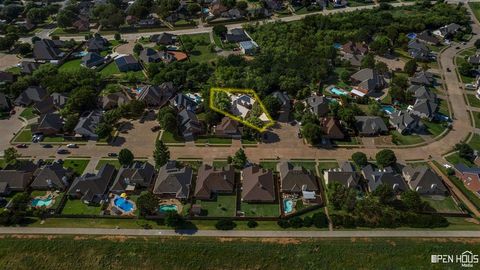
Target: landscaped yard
{"points": [[308, 165], [71, 65], [260, 209], [77, 165], [327, 165], [434, 128], [443, 107], [401, 139], [25, 136], [168, 137], [77, 207], [212, 140], [269, 165], [113, 162], [219, 163], [28, 113], [194, 164], [455, 159], [476, 119], [475, 142], [223, 206], [442, 205], [475, 8], [473, 100], [201, 52], [110, 69]]}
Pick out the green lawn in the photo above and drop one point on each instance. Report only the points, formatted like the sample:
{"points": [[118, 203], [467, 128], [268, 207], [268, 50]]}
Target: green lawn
{"points": [[443, 107], [71, 65], [249, 142], [434, 128], [445, 205], [219, 163], [110, 69], [77, 207], [476, 119], [475, 8], [212, 140], [55, 139], [113, 162], [473, 100], [307, 165], [194, 164], [269, 165], [400, 139], [260, 210], [25, 136], [326, 165], [475, 142], [168, 137], [77, 165], [201, 52], [223, 206], [455, 158], [28, 113]]}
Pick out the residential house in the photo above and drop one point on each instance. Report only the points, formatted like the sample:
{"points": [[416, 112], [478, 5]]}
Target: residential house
{"points": [[31, 95], [28, 67], [164, 39], [423, 78], [97, 44], [48, 50], [421, 92], [156, 96], [331, 129], [258, 185], [149, 55], [181, 101], [127, 63], [130, 179], [92, 59], [419, 50], [355, 48], [248, 47], [189, 124], [274, 5], [427, 37], [354, 59], [237, 35], [227, 127], [6, 77], [286, 104], [368, 81], [113, 100], [447, 31], [370, 125], [92, 188], [17, 177], [241, 105], [87, 125], [211, 182], [404, 122], [345, 175], [81, 24], [173, 181], [295, 179], [59, 100], [469, 176], [474, 59], [44, 106], [217, 8], [48, 124], [423, 180], [425, 108], [386, 176], [4, 104], [51, 176], [318, 105]]}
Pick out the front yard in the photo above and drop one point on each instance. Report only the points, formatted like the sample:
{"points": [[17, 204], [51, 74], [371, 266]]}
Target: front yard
{"points": [[212, 140], [401, 139], [442, 204], [168, 137], [201, 52], [473, 100], [113, 162], [77, 207], [28, 113], [77, 165], [24, 136], [223, 206], [260, 209]]}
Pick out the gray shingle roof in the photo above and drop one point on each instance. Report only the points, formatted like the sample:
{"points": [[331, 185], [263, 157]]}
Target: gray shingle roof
{"points": [[173, 181], [139, 174], [370, 125], [92, 188], [295, 178], [424, 180]]}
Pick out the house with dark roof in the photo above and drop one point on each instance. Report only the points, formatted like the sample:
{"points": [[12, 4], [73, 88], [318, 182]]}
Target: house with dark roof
{"points": [[113, 100], [92, 188], [424, 181], [286, 105], [6, 77], [164, 39], [404, 122], [295, 179], [248, 47], [156, 96], [211, 182], [181, 101], [44, 106], [82, 24], [368, 81], [370, 125], [227, 127], [87, 125], [48, 124], [421, 92], [236, 35], [59, 100], [427, 37], [345, 175], [331, 128], [469, 176], [52, 176], [31, 95], [474, 59], [354, 59], [448, 30], [258, 185], [385, 176], [47, 50], [189, 124], [130, 179], [149, 55], [127, 63], [318, 105], [425, 108], [355, 48], [96, 44], [17, 177], [4, 103], [274, 5], [423, 78], [92, 59], [173, 182], [419, 50], [28, 67]]}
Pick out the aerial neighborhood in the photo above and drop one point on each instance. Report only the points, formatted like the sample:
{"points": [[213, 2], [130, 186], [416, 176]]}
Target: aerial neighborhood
{"points": [[240, 114]]}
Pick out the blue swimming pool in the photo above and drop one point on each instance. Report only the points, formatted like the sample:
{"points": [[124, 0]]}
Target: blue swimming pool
{"points": [[287, 206], [79, 54], [123, 204], [411, 35], [37, 202], [167, 208], [388, 109], [337, 91], [337, 45]]}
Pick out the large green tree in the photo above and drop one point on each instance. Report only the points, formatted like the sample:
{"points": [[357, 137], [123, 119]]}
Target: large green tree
{"points": [[161, 154]]}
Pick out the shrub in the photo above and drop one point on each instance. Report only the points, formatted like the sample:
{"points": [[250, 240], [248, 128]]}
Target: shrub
{"points": [[307, 222], [283, 223], [225, 224], [320, 220], [296, 222], [252, 224]]}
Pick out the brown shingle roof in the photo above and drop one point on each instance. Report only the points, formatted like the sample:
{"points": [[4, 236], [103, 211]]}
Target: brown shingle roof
{"points": [[258, 185], [210, 181]]}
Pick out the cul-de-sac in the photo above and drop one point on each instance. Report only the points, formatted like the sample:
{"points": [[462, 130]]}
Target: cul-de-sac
{"points": [[171, 134]]}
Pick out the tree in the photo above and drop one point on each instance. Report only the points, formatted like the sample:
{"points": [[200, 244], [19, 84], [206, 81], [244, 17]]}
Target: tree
{"points": [[381, 45], [410, 67], [465, 69], [168, 122], [174, 220], [193, 8], [239, 160], [65, 18], [320, 220], [368, 61], [465, 151], [412, 200], [161, 153], [220, 29], [312, 133], [147, 203], [24, 48], [166, 6], [37, 15], [241, 5], [381, 67], [71, 121], [252, 224], [477, 43], [374, 108], [225, 224], [360, 159], [125, 157], [385, 158], [272, 105], [345, 76], [12, 11], [10, 156], [104, 130], [137, 48], [384, 193], [117, 36]]}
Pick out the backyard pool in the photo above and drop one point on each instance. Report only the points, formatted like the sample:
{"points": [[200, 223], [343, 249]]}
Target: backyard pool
{"points": [[337, 45], [388, 109], [39, 202], [337, 91], [123, 204], [412, 35], [287, 206], [79, 54], [167, 208]]}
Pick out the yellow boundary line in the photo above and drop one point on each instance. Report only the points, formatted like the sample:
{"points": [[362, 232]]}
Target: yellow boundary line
{"points": [[211, 104]]}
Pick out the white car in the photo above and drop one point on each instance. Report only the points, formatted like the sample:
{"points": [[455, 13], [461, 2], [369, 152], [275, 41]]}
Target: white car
{"points": [[72, 145], [447, 166]]}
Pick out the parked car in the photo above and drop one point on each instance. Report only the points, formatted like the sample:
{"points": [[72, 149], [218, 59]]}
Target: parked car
{"points": [[37, 138], [22, 145], [63, 151], [448, 70], [72, 145], [12, 112], [155, 128], [112, 154]]}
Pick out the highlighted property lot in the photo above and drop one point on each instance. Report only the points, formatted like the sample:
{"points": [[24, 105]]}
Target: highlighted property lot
{"points": [[242, 105]]}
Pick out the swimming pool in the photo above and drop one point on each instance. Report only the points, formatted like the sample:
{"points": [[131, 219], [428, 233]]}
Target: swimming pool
{"points": [[38, 202], [123, 204], [388, 109], [167, 208], [79, 54], [411, 35], [337, 91], [287, 206], [337, 45]]}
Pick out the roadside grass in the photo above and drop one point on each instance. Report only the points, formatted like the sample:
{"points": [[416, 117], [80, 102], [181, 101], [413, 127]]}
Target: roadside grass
{"points": [[455, 159], [434, 128], [71, 65], [222, 206], [212, 140], [77, 207], [269, 165], [476, 118], [249, 142], [103, 162], [25, 136], [168, 137], [260, 209], [442, 205], [77, 165], [476, 9], [475, 142], [401, 139], [28, 113], [473, 100]]}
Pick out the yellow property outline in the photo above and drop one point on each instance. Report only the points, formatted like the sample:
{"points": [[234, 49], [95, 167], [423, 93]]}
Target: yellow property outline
{"points": [[211, 104]]}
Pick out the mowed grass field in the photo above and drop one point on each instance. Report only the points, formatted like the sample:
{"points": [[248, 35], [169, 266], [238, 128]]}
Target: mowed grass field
{"points": [[66, 252]]}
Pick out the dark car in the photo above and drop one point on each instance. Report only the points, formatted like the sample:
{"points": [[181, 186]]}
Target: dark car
{"points": [[47, 146], [22, 145], [155, 128], [63, 151], [112, 154], [448, 70]]}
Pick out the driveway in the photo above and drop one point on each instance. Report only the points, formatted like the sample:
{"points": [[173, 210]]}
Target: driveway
{"points": [[8, 61], [135, 135], [8, 127]]}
